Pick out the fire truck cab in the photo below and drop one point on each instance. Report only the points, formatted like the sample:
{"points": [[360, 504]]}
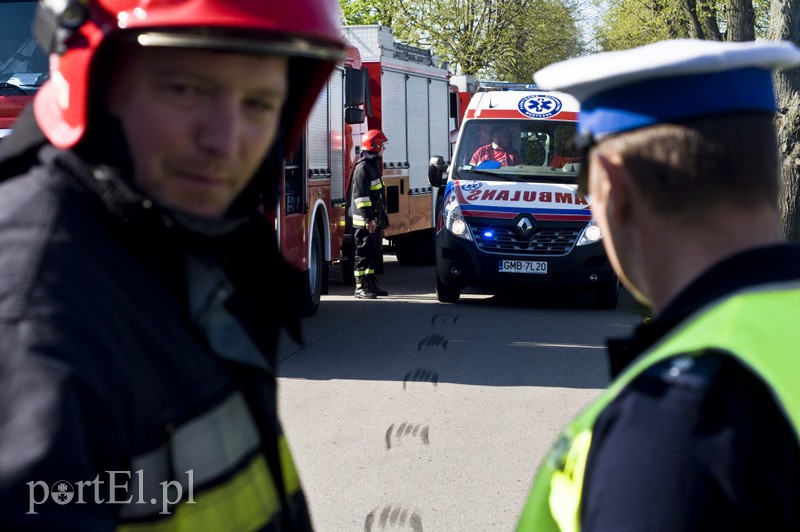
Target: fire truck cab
{"points": [[510, 215]]}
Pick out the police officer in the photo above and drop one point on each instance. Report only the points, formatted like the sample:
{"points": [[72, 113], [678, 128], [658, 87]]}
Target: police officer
{"points": [[700, 427], [368, 209], [138, 271]]}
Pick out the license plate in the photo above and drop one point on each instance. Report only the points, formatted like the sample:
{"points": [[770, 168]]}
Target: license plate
{"points": [[523, 266]]}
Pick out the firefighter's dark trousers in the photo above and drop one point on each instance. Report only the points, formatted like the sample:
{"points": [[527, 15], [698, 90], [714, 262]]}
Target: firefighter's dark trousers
{"points": [[368, 252]]}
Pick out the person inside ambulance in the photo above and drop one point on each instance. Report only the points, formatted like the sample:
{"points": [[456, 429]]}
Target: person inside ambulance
{"points": [[497, 153], [139, 275], [564, 152]]}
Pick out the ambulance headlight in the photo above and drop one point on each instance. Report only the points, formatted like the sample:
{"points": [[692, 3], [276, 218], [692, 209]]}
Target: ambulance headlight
{"points": [[459, 228], [591, 234], [454, 220]]}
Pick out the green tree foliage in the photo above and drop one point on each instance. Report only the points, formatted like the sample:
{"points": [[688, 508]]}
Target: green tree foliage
{"points": [[545, 31], [357, 12], [629, 23], [490, 39]]}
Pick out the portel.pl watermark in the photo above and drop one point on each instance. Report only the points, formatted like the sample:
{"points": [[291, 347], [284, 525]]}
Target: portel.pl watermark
{"points": [[113, 490]]}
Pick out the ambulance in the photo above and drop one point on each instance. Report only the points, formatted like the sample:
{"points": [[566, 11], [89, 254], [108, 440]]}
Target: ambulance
{"points": [[509, 215]]}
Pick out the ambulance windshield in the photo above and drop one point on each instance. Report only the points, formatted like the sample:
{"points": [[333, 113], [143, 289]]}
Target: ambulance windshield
{"points": [[527, 150]]}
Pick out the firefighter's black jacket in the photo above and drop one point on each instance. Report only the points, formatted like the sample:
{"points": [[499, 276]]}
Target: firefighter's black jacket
{"points": [[368, 198], [117, 351]]}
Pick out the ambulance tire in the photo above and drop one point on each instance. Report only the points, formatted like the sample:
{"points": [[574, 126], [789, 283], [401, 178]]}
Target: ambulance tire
{"points": [[316, 275], [447, 293], [607, 296]]}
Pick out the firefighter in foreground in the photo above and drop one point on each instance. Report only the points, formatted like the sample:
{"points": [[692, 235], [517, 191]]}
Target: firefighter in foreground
{"points": [[137, 271], [700, 428], [368, 208]]}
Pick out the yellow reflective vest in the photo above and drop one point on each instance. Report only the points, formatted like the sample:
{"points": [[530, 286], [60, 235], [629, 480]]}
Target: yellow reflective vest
{"points": [[755, 326]]}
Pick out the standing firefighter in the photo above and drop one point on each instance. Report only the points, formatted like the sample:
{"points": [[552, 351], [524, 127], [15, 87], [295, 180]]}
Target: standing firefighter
{"points": [[137, 271], [368, 208], [700, 428]]}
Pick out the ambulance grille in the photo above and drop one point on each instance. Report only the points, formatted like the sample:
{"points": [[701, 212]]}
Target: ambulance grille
{"points": [[542, 241]]}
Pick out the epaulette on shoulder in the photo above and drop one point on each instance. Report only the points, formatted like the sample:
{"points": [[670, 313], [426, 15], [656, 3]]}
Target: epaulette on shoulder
{"points": [[696, 370]]}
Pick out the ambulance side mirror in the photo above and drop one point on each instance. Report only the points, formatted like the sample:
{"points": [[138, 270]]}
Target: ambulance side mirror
{"points": [[436, 170]]}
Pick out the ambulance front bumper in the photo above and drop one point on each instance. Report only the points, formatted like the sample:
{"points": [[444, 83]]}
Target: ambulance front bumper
{"points": [[460, 263]]}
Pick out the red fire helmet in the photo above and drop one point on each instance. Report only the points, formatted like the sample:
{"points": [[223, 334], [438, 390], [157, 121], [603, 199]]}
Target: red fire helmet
{"points": [[372, 140], [72, 32]]}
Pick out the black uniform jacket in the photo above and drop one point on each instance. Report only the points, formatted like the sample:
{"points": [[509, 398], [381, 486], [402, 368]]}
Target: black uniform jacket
{"points": [[367, 171], [700, 449], [103, 357]]}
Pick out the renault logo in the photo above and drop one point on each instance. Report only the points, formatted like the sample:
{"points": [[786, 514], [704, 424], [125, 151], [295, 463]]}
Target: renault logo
{"points": [[524, 227]]}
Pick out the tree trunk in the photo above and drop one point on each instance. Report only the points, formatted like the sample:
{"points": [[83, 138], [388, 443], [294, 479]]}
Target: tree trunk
{"points": [[784, 24], [741, 20], [695, 27]]}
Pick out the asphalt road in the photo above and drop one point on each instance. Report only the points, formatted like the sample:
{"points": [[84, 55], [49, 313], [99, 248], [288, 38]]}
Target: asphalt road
{"points": [[407, 414]]}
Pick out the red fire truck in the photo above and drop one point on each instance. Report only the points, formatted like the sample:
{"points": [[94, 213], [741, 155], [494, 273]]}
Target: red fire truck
{"points": [[401, 90]]}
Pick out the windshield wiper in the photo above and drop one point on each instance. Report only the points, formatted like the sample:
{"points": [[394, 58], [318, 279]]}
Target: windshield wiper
{"points": [[502, 176], [11, 89], [566, 179]]}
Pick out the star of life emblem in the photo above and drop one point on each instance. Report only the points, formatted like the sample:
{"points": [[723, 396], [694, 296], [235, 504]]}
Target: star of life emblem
{"points": [[539, 106]]}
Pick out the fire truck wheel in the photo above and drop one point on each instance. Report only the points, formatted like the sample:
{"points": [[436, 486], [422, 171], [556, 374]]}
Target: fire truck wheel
{"points": [[415, 249], [348, 278], [447, 293], [315, 275], [607, 296]]}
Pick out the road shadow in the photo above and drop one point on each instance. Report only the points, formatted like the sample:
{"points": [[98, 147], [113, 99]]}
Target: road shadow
{"points": [[516, 338], [410, 283]]}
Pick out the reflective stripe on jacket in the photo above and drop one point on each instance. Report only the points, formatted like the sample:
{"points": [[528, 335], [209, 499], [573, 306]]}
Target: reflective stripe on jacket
{"points": [[754, 326], [214, 462]]}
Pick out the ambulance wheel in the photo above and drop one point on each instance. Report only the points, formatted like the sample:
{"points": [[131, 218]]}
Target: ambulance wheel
{"points": [[315, 275], [607, 296], [447, 293]]}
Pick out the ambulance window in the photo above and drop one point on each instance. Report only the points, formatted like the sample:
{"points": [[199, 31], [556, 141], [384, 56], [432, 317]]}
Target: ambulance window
{"points": [[534, 147], [563, 151], [475, 136]]}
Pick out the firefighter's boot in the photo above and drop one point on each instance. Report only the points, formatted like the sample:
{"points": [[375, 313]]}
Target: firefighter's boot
{"points": [[363, 289], [372, 280]]}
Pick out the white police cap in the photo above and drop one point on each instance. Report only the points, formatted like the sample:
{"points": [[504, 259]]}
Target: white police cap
{"points": [[669, 81]]}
